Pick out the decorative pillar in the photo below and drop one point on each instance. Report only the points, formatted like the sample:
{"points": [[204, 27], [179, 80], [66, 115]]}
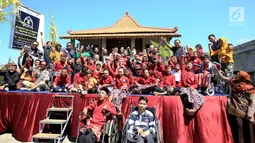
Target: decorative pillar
{"points": [[103, 43], [73, 43], [132, 42]]}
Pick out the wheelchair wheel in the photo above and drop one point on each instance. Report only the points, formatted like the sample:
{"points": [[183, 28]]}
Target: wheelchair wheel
{"points": [[113, 134], [223, 87], [210, 90]]}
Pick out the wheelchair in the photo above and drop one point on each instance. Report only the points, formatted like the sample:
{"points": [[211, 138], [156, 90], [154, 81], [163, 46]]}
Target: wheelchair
{"points": [[159, 135], [110, 131]]}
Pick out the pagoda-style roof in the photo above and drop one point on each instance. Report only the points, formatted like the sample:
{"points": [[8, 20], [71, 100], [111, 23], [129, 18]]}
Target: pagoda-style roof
{"points": [[126, 27]]}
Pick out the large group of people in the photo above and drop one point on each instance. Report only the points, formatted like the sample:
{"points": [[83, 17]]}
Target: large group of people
{"points": [[124, 70]]}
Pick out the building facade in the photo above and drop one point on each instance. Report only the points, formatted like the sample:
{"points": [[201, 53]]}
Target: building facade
{"points": [[125, 32], [244, 56]]}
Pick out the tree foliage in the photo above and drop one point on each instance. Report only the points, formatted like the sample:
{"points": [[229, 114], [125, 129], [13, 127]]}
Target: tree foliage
{"points": [[164, 51], [8, 7]]}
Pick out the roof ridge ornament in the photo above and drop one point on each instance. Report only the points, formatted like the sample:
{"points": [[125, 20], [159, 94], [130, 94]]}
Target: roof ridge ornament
{"points": [[126, 12]]}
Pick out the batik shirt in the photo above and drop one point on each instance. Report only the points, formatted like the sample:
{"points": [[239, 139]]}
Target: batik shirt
{"points": [[42, 75]]}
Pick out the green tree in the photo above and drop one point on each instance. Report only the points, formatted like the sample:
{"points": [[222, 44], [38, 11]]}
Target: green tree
{"points": [[8, 7]]}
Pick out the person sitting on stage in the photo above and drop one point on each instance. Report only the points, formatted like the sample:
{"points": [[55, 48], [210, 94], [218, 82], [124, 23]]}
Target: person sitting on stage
{"points": [[168, 82], [190, 97], [11, 77], [59, 65], [79, 81], [105, 80], [42, 76], [120, 88], [55, 53], [102, 106], [62, 81], [141, 125], [147, 84], [177, 74], [196, 62], [130, 77], [91, 82], [204, 73]]}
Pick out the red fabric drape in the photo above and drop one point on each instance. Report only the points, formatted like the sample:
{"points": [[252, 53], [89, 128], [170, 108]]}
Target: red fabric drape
{"points": [[21, 112]]}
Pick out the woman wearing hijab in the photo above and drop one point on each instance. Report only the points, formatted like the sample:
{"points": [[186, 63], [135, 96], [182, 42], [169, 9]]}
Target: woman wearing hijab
{"points": [[240, 106]]}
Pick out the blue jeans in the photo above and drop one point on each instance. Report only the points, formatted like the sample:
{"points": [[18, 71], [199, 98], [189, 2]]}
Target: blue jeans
{"points": [[59, 88]]}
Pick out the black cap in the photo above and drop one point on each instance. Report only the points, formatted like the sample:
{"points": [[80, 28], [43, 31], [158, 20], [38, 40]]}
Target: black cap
{"points": [[106, 90]]}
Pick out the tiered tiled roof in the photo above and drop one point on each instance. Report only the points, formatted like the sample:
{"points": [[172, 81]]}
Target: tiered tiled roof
{"points": [[126, 27]]}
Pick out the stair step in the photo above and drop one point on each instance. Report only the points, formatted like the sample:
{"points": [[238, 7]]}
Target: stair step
{"points": [[45, 136], [52, 121], [60, 109]]}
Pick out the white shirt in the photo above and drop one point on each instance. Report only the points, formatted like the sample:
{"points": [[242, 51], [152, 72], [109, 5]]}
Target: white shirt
{"points": [[177, 75]]}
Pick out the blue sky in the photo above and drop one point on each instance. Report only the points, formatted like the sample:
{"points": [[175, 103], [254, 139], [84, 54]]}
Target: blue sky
{"points": [[196, 19]]}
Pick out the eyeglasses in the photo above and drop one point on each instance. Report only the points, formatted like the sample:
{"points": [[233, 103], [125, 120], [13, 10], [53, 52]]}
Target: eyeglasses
{"points": [[43, 64]]}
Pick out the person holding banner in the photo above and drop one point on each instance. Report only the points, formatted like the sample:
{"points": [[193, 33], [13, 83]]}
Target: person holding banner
{"points": [[32, 52]]}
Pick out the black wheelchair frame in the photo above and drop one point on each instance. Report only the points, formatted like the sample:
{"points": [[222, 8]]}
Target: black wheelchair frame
{"points": [[111, 133], [159, 135]]}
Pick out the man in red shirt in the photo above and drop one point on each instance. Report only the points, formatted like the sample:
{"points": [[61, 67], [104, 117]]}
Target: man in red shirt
{"points": [[62, 81], [79, 81], [59, 65], [101, 106], [122, 82], [106, 79]]}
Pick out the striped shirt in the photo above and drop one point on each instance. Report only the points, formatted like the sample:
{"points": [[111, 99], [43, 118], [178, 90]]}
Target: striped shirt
{"points": [[145, 121]]}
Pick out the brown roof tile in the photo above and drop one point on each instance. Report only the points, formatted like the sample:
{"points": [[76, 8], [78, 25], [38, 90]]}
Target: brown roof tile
{"points": [[125, 25]]}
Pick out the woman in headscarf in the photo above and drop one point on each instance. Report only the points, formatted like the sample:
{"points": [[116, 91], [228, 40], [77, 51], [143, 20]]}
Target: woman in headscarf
{"points": [[240, 106]]}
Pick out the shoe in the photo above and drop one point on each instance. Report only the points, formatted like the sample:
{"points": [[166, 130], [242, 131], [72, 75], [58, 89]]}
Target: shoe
{"points": [[65, 90], [84, 92], [60, 90], [37, 89], [23, 89], [6, 89]]}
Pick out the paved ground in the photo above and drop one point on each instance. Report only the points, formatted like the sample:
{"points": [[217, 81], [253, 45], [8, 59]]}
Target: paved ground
{"points": [[7, 138]]}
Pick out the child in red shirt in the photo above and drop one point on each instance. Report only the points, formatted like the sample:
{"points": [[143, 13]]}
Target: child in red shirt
{"points": [[200, 51], [106, 80], [79, 81], [168, 82], [147, 84]]}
